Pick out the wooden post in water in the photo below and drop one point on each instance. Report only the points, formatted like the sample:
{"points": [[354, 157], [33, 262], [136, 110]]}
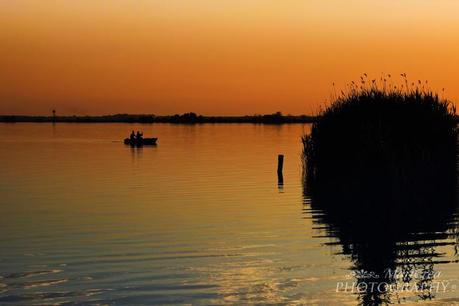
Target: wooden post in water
{"points": [[280, 166]]}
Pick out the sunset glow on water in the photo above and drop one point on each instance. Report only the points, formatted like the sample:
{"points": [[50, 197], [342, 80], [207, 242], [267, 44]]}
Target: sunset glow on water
{"points": [[199, 219]]}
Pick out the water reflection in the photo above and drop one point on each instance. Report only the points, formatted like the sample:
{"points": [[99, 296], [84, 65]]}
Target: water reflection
{"points": [[397, 232]]}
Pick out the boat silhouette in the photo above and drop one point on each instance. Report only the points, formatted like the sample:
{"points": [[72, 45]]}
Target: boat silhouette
{"points": [[140, 142]]}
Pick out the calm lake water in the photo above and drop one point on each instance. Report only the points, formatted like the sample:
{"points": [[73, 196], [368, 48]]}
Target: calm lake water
{"points": [[197, 219]]}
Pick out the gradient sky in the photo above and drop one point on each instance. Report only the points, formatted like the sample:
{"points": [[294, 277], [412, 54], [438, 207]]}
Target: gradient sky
{"points": [[223, 57]]}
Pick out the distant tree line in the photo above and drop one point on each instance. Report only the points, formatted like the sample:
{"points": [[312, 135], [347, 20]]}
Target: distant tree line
{"points": [[186, 118]]}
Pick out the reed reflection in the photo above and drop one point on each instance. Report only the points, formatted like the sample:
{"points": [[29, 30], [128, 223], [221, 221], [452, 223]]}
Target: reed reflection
{"points": [[395, 244]]}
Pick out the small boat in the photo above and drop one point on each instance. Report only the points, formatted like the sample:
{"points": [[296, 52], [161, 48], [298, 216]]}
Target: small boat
{"points": [[143, 142]]}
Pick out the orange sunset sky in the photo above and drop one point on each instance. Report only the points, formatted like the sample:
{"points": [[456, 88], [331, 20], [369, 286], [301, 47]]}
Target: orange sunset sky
{"points": [[215, 57]]}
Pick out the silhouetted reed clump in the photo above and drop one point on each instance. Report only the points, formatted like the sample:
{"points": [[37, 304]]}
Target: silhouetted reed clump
{"points": [[381, 177], [383, 137]]}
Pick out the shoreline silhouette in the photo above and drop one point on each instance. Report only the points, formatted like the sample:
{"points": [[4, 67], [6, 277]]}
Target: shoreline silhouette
{"points": [[186, 118]]}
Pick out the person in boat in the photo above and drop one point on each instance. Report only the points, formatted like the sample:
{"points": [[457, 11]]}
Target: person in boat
{"points": [[132, 137], [139, 137]]}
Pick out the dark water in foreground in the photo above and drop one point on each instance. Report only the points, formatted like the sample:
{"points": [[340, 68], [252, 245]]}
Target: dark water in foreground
{"points": [[199, 219]]}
